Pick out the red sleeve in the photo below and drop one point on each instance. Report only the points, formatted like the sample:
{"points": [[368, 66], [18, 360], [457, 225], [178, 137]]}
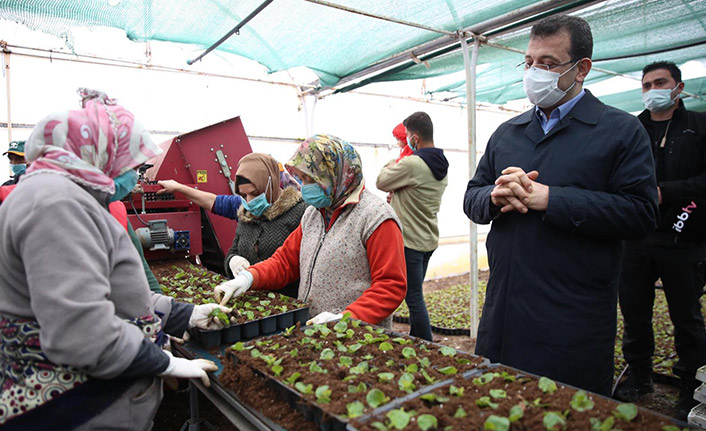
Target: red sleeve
{"points": [[388, 272], [282, 267], [117, 209]]}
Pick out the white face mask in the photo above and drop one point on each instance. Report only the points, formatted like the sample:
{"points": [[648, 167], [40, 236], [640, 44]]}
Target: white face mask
{"points": [[542, 86], [658, 99]]}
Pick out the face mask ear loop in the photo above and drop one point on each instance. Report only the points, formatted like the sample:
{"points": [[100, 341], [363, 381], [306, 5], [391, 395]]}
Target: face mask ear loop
{"points": [[269, 186]]}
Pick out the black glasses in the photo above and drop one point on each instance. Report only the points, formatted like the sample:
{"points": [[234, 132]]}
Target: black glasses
{"points": [[525, 66]]}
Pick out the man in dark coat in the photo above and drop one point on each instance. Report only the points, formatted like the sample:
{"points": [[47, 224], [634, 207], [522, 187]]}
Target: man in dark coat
{"points": [[563, 184], [675, 252]]}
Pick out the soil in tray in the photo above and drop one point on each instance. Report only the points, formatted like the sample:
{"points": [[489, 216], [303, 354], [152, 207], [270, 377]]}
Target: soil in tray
{"points": [[253, 388], [186, 282], [337, 366], [531, 404]]}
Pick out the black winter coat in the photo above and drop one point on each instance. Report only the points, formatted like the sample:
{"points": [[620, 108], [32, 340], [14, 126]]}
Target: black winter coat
{"points": [[684, 158], [551, 299], [256, 239]]}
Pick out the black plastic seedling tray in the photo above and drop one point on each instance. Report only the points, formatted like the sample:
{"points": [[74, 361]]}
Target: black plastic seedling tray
{"points": [[245, 331], [328, 422], [399, 402]]}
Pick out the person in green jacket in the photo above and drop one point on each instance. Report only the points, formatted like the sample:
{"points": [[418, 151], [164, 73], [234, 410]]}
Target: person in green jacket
{"points": [[417, 182]]}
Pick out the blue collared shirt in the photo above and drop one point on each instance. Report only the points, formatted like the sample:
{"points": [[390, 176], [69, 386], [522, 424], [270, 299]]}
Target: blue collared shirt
{"points": [[558, 113]]}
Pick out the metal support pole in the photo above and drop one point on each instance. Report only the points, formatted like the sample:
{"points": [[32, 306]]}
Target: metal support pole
{"points": [[6, 57], [470, 67], [236, 30]]}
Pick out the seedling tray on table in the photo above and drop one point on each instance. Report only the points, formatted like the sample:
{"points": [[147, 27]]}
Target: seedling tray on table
{"points": [[506, 398], [245, 331], [331, 373]]}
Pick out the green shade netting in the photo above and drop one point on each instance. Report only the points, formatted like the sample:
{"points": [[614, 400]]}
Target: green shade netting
{"points": [[335, 44], [286, 34]]}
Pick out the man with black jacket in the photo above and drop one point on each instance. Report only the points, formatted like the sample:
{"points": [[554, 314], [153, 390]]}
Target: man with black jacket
{"points": [[673, 253]]}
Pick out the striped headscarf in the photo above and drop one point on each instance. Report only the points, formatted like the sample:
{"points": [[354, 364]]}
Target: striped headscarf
{"points": [[90, 146], [333, 164]]}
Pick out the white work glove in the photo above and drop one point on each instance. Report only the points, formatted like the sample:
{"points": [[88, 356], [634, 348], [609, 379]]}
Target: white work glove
{"points": [[235, 287], [324, 317], [237, 264], [201, 316], [189, 368]]}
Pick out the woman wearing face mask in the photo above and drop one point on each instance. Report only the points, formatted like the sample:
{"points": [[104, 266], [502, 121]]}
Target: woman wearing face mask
{"points": [[79, 329], [267, 216], [347, 251]]}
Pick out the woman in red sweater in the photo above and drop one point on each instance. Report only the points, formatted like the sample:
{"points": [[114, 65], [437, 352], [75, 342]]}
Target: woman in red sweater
{"points": [[347, 252]]}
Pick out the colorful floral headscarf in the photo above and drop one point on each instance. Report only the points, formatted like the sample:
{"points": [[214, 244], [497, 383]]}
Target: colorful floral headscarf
{"points": [[332, 162], [91, 146]]}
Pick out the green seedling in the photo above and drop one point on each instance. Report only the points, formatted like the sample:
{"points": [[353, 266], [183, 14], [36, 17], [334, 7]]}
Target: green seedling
{"points": [[581, 402], [323, 394], [547, 385], [376, 398], [485, 402], [496, 423], [554, 421], [426, 422], [354, 409]]}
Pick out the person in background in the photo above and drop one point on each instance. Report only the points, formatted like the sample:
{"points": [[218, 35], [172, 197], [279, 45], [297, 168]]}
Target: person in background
{"points": [[16, 153], [222, 205], [348, 250], [563, 183], [678, 140], [400, 133], [79, 328], [268, 215], [417, 183]]}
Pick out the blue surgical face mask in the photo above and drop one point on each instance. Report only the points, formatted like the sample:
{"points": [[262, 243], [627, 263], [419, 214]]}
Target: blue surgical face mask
{"points": [[314, 195], [409, 144], [19, 168], [259, 204], [658, 99], [124, 183]]}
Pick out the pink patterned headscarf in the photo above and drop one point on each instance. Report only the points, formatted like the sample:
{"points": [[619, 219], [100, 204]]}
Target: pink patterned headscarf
{"points": [[91, 146]]}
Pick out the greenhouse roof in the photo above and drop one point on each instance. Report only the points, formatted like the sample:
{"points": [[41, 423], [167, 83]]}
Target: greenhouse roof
{"points": [[348, 49]]}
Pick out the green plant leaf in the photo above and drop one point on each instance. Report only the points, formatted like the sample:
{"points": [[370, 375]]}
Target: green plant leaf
{"points": [[389, 363], [496, 423], [345, 361], [626, 411], [293, 378], [238, 347], [376, 398], [427, 377], [294, 352], [360, 387], [553, 421], [516, 413], [581, 402], [484, 379], [327, 354], [361, 368], [498, 393], [406, 382], [448, 351], [448, 370], [547, 385], [355, 409], [460, 413], [277, 369], [323, 394], [304, 389], [385, 377], [354, 347], [485, 402], [341, 326], [432, 397], [412, 368], [399, 419], [606, 425], [409, 352], [385, 346], [379, 426], [456, 391], [427, 421]]}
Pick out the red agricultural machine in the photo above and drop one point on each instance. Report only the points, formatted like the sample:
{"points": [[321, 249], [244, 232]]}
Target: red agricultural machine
{"points": [[170, 225]]}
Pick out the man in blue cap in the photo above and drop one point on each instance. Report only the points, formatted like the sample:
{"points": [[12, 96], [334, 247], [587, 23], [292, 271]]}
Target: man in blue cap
{"points": [[18, 164]]}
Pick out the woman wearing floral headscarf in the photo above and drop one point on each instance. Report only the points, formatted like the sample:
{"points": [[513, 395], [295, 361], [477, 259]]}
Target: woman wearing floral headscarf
{"points": [[347, 251], [78, 325]]}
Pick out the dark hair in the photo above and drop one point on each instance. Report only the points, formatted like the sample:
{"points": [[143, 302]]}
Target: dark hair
{"points": [[578, 29], [420, 124], [671, 67]]}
